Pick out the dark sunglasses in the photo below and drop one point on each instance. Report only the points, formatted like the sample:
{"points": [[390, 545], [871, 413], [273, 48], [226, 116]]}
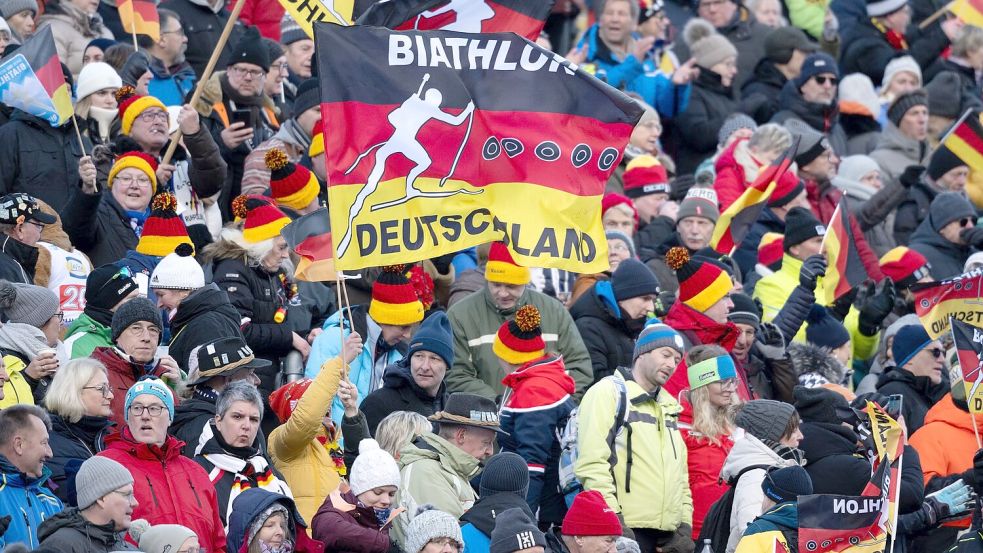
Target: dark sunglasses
{"points": [[965, 221], [937, 352], [820, 79]]}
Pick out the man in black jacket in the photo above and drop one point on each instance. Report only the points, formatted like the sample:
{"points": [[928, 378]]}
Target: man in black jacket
{"points": [[836, 462], [416, 382], [612, 312], [204, 21], [918, 375], [21, 223], [785, 50], [220, 362]]}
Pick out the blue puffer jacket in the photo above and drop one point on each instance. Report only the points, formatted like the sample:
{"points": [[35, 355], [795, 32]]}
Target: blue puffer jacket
{"points": [[249, 505], [642, 77], [28, 501], [365, 372]]}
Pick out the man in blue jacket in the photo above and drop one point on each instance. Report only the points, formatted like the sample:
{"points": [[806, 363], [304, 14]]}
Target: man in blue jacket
{"points": [[23, 476]]}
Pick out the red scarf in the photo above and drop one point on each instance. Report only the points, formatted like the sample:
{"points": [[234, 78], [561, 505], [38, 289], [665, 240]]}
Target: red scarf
{"points": [[894, 38]]}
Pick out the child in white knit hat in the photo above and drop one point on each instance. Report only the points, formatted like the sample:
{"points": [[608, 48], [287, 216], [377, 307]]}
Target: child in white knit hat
{"points": [[358, 519]]}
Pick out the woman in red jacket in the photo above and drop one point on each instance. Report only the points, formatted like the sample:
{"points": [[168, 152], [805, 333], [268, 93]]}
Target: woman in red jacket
{"points": [[357, 520], [707, 424], [169, 487]]}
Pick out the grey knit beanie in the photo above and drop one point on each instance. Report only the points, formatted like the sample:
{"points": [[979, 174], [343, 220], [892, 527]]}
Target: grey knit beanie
{"points": [[905, 102], [707, 46], [26, 303], [137, 309], [765, 419], [504, 473], [948, 207], [430, 524], [732, 124], [10, 8], [159, 538], [97, 477]]}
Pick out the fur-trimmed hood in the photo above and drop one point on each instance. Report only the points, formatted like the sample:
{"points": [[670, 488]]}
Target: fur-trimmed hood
{"points": [[812, 361], [223, 248]]}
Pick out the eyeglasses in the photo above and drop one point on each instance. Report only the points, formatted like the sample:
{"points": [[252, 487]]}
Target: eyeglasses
{"points": [[154, 410], [822, 79], [60, 315], [178, 31], [140, 330], [126, 495], [283, 67], [191, 549], [105, 389], [140, 182], [965, 221], [37, 224], [728, 383], [936, 352], [618, 247], [251, 73], [150, 116], [445, 542]]}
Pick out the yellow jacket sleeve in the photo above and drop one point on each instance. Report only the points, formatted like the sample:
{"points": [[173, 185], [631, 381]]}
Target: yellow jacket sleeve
{"points": [[289, 440], [16, 390], [595, 420]]}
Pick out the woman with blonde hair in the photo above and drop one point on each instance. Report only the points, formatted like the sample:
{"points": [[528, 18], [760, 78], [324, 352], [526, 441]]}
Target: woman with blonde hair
{"points": [[400, 428], [707, 424], [78, 400]]}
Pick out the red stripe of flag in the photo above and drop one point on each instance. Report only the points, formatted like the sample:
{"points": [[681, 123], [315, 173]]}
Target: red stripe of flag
{"points": [[969, 135]]}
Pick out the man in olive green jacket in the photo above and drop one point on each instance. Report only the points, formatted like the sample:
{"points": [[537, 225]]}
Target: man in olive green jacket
{"points": [[476, 319]]}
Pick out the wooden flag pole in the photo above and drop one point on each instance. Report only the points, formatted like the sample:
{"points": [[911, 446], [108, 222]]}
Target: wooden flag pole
{"points": [[931, 19], [136, 46], [78, 134], [206, 75], [339, 280]]}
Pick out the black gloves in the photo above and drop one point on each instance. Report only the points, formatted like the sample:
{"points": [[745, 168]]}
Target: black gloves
{"points": [[663, 302], [443, 263], [681, 541], [812, 268], [972, 236], [874, 304], [771, 343], [911, 175]]}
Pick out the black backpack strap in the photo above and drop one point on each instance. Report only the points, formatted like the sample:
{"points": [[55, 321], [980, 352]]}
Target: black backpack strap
{"points": [[737, 478]]}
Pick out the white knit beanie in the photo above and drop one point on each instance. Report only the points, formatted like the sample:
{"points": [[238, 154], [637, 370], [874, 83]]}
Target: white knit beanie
{"points": [[858, 89], [178, 271], [373, 468], [95, 77], [897, 65]]}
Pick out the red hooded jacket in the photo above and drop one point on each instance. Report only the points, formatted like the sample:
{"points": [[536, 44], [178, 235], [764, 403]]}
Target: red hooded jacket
{"points": [[705, 459], [170, 488], [122, 374]]}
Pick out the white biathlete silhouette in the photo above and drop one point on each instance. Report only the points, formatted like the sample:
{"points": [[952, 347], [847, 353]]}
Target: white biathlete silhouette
{"points": [[470, 14], [407, 120]]}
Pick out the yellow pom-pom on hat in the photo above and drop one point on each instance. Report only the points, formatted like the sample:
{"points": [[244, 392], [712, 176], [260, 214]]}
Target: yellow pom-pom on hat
{"points": [[520, 340]]}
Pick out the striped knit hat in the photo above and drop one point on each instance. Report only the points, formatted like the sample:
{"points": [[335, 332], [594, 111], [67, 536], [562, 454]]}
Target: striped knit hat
{"points": [[711, 370], [520, 340], [164, 229], [317, 139], [263, 221], [701, 283], [645, 175], [502, 268], [394, 300], [135, 160], [904, 266], [770, 251], [291, 185], [655, 335], [131, 105]]}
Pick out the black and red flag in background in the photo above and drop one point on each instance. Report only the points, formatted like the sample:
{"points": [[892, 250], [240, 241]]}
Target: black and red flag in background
{"points": [[522, 17], [441, 140]]}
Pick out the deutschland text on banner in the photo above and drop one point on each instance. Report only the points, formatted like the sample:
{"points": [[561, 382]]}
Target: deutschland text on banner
{"points": [[969, 346], [31, 80], [308, 12], [966, 139], [522, 17], [736, 221], [309, 237], [441, 141], [958, 297], [846, 269], [139, 17]]}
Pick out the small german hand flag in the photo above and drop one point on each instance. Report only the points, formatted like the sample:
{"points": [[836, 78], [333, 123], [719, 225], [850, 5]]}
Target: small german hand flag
{"points": [[139, 17], [969, 11], [31, 80], [310, 238], [846, 269], [966, 139]]}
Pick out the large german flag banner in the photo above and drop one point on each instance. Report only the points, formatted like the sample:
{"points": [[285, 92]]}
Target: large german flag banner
{"points": [[841, 523], [309, 236], [969, 11], [736, 221], [139, 17], [31, 80], [969, 346], [845, 267], [965, 140], [522, 17], [958, 297], [440, 141]]}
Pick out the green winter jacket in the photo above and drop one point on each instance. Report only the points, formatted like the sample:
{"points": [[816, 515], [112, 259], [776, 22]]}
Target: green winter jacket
{"points": [[648, 485], [476, 319], [84, 335], [433, 472]]}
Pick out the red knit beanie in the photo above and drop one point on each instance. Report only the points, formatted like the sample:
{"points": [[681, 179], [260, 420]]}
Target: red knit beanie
{"points": [[503, 269], [164, 230], [520, 340], [645, 175], [291, 185], [904, 266], [701, 283], [612, 199], [771, 251], [590, 515], [263, 220]]}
